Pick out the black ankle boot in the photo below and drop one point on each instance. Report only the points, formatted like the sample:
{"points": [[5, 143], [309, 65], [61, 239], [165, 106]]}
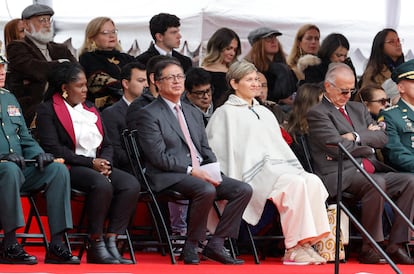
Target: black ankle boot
{"points": [[110, 243], [98, 254]]}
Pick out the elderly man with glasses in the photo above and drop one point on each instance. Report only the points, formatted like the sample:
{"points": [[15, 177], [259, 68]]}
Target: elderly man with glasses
{"points": [[337, 120], [32, 58]]}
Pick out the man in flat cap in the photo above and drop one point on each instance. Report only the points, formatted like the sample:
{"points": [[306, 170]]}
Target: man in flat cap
{"points": [[31, 59], [17, 145], [399, 120]]}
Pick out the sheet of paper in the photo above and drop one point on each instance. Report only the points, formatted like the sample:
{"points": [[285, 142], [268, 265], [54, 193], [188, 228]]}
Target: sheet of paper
{"points": [[213, 169]]}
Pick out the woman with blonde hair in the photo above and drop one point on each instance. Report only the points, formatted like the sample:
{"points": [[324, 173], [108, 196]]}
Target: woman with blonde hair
{"points": [[306, 42], [102, 58]]}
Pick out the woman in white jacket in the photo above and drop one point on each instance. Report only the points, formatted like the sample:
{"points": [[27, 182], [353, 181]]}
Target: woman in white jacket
{"points": [[248, 143]]}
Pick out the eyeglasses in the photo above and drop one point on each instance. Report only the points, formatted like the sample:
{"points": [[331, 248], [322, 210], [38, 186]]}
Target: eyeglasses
{"points": [[270, 38], [108, 32], [383, 101], [202, 93], [172, 77], [344, 91], [45, 20], [394, 41]]}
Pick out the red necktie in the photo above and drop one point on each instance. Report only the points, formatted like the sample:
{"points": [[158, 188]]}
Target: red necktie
{"points": [[184, 129], [368, 166], [342, 111]]}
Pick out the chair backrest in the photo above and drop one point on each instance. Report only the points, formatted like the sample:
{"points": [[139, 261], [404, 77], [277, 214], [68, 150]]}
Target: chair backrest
{"points": [[302, 151], [134, 155]]}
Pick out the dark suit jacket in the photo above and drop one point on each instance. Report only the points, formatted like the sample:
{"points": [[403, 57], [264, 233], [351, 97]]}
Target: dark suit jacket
{"points": [[326, 125], [166, 153], [146, 98], [57, 136], [28, 71], [114, 118], [185, 61]]}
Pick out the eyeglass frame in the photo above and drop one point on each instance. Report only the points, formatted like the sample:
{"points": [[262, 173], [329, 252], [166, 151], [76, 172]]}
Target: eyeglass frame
{"points": [[44, 20], [271, 38], [201, 93], [171, 78], [109, 32], [344, 91], [383, 101]]}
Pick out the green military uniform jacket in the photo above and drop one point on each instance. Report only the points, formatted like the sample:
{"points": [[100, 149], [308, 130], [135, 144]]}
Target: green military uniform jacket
{"points": [[14, 135], [399, 151]]}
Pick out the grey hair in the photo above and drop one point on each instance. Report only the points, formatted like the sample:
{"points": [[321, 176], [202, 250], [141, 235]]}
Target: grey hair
{"points": [[238, 70], [334, 69]]}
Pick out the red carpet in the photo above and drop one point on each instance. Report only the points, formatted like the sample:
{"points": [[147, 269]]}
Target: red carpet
{"points": [[152, 263]]}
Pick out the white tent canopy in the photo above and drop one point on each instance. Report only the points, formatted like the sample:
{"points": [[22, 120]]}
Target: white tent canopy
{"points": [[358, 20]]}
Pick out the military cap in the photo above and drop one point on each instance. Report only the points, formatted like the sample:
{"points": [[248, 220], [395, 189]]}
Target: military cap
{"points": [[403, 71], [3, 60], [37, 10], [260, 33]]}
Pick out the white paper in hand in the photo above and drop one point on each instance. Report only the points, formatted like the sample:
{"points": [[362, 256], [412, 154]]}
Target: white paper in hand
{"points": [[213, 170]]}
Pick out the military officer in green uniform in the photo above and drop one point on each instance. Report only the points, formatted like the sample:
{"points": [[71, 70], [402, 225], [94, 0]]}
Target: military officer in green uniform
{"points": [[399, 121], [16, 145]]}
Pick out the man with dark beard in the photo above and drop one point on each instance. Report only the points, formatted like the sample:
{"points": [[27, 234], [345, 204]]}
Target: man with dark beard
{"points": [[32, 58]]}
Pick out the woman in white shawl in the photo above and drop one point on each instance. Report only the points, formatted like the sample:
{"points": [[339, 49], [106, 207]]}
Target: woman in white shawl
{"points": [[248, 143]]}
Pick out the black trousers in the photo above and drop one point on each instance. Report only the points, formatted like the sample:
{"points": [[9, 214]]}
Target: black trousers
{"points": [[115, 200]]}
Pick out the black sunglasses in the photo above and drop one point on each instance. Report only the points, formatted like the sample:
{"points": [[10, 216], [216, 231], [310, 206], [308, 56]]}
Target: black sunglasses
{"points": [[383, 101]]}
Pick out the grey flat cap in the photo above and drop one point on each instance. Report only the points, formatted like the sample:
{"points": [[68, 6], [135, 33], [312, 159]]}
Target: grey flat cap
{"points": [[37, 10], [262, 32]]}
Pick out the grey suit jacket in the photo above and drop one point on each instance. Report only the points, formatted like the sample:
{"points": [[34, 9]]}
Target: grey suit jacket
{"points": [[166, 152], [326, 125]]}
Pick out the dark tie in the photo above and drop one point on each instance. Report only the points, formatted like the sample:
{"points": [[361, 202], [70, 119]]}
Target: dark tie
{"points": [[184, 129], [368, 166], [342, 111]]}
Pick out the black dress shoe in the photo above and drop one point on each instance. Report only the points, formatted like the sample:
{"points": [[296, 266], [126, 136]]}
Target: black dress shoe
{"points": [[190, 255], [400, 257], [221, 256], [98, 254], [371, 256], [15, 254], [113, 250], [59, 254]]}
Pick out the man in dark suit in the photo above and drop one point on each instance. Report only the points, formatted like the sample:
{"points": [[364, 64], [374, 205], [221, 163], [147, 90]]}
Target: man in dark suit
{"points": [[174, 143], [33, 58], [133, 81], [148, 95], [360, 134], [165, 30]]}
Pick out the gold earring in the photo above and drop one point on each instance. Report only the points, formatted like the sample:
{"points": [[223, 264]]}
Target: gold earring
{"points": [[65, 94], [93, 46]]}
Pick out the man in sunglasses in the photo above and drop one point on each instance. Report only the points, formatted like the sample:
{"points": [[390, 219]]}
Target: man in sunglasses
{"points": [[199, 91], [337, 120], [399, 151]]}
